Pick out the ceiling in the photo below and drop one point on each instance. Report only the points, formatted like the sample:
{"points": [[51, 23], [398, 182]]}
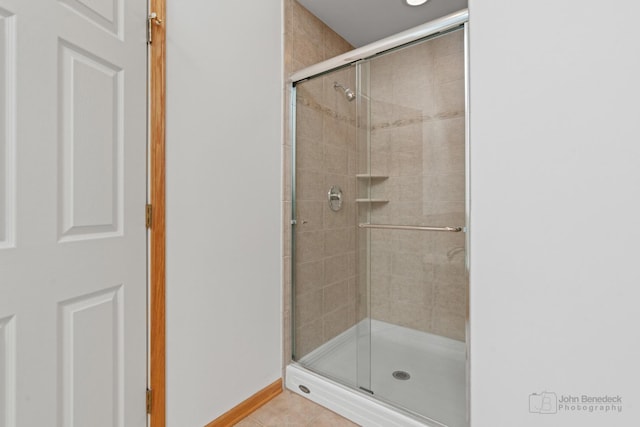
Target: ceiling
{"points": [[361, 22]]}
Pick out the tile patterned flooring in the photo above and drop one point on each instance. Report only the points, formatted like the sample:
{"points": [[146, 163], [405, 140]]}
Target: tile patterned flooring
{"points": [[290, 410]]}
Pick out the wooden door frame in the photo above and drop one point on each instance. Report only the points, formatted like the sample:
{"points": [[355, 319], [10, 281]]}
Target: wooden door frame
{"points": [[157, 246]]}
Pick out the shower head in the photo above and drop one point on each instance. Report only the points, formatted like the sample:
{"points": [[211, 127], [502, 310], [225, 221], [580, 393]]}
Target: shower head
{"points": [[347, 92]]}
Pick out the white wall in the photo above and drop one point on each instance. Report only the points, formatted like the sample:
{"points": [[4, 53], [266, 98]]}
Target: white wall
{"points": [[555, 134], [224, 77]]}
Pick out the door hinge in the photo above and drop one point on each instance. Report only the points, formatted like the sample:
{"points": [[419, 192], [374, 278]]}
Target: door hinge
{"points": [[152, 19], [148, 401], [148, 215]]}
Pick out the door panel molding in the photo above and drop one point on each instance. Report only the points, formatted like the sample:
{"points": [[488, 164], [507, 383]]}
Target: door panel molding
{"points": [[8, 371], [91, 186], [107, 14], [8, 123], [91, 341]]}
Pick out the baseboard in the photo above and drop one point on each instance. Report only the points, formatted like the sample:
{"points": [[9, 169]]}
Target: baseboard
{"points": [[244, 409]]}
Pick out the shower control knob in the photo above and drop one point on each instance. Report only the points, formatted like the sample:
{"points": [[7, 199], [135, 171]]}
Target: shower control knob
{"points": [[335, 198]]}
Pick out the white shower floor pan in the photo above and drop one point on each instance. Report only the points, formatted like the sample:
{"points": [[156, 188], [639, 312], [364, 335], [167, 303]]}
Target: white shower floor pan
{"points": [[433, 396]]}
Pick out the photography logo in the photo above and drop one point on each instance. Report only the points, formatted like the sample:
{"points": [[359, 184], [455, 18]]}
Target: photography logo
{"points": [[543, 403]]}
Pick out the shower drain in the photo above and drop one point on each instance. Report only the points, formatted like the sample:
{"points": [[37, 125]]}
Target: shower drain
{"points": [[401, 375]]}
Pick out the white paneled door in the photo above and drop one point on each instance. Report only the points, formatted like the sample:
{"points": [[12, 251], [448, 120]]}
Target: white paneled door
{"points": [[72, 195]]}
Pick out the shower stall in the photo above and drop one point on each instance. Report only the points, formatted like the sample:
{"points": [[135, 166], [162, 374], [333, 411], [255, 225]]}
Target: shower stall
{"points": [[379, 221]]}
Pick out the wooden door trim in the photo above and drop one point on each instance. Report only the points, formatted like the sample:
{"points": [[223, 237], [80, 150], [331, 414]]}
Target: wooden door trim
{"points": [[157, 326]]}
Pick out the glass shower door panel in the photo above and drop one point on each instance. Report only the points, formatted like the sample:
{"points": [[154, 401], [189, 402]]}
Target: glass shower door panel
{"points": [[418, 280], [325, 277], [363, 214]]}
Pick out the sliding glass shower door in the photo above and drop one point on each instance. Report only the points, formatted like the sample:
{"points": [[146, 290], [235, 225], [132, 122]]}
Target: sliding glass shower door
{"points": [[415, 186], [379, 268], [325, 263]]}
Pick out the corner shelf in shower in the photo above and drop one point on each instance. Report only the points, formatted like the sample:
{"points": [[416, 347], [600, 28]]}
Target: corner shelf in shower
{"points": [[371, 201]]}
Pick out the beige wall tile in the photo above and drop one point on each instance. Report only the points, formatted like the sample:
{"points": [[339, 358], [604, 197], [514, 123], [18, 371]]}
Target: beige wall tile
{"points": [[410, 315], [286, 337], [307, 338], [310, 93], [334, 45], [336, 322], [288, 52], [337, 219], [452, 272], [309, 154], [403, 164], [339, 242], [309, 215], [448, 68], [448, 323], [286, 278], [286, 176], [413, 93], [305, 24], [308, 307], [286, 311], [310, 186], [448, 44], [448, 249], [438, 212], [286, 117], [336, 132], [309, 276], [444, 146], [336, 160], [380, 291], [408, 138], [352, 259], [380, 260], [288, 17], [449, 98], [296, 66], [335, 296], [381, 80], [335, 269], [308, 122], [309, 246], [444, 187], [407, 188], [410, 290], [306, 51], [407, 241], [352, 290], [286, 229], [411, 265], [450, 294], [383, 114], [352, 163]]}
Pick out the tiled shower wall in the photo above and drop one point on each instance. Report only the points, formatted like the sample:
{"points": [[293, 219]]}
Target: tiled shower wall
{"points": [[307, 41], [418, 278]]}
